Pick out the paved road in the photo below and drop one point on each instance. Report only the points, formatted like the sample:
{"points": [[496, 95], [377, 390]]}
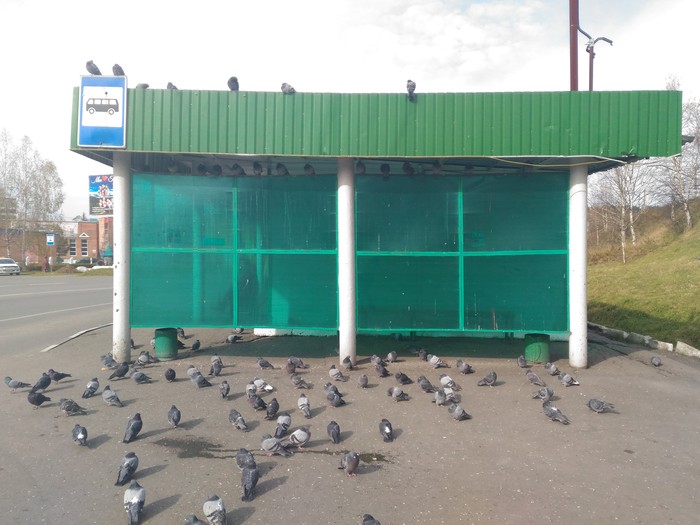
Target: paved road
{"points": [[37, 312]]}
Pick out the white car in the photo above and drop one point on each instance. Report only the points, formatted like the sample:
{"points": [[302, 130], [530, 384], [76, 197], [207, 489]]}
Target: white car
{"points": [[8, 266]]}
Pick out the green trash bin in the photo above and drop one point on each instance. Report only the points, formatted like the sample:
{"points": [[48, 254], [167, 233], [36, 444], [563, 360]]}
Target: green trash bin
{"points": [[537, 348], [166, 344]]}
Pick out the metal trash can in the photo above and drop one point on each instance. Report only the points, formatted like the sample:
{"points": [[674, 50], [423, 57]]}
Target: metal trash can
{"points": [[166, 344], [537, 348]]}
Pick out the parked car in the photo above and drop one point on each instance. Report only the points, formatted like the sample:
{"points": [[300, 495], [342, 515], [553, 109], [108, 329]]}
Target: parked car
{"points": [[8, 266]]}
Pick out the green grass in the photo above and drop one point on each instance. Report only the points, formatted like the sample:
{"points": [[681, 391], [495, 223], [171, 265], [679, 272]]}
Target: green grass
{"points": [[657, 294]]}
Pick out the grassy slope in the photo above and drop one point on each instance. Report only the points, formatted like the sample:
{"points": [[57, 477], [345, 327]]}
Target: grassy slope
{"points": [[657, 294]]}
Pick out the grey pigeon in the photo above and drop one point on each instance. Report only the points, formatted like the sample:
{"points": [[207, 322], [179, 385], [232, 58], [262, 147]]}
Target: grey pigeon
{"points": [[196, 345], [425, 385], [199, 380], [442, 396], [170, 375], [334, 399], [397, 394], [142, 85], [231, 338], [411, 90], [391, 357], [421, 353], [381, 370], [464, 368], [134, 500], [457, 412], [368, 519], [489, 380], [299, 438], [599, 406], [80, 434], [129, 464], [386, 430], [363, 380], [335, 374], [180, 332], [553, 413], [522, 363], [330, 387], [120, 371], [298, 381], [447, 382], [224, 389], [174, 416], [304, 406], [244, 458], [436, 362], [347, 363], [273, 407], [283, 422], [551, 369], [171, 86], [567, 380], [262, 386], [236, 419], [191, 371], [192, 519], [108, 361], [37, 398], [14, 384], [42, 383], [272, 446], [92, 68], [298, 363], [534, 378], [656, 361], [402, 378], [70, 407], [255, 401], [287, 89], [91, 388], [257, 169], [133, 428], [110, 397], [290, 368], [214, 510], [349, 463], [215, 369], [544, 394], [139, 377], [376, 360], [249, 480], [264, 363], [333, 430], [145, 358], [233, 83]]}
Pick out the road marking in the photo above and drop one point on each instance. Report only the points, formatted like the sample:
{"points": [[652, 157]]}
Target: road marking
{"points": [[54, 312], [56, 291]]}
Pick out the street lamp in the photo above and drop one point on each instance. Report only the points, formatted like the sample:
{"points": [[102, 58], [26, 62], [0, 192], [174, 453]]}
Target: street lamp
{"points": [[590, 49]]}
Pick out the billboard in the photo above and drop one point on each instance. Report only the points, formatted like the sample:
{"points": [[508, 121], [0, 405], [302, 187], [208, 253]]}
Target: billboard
{"points": [[101, 197]]}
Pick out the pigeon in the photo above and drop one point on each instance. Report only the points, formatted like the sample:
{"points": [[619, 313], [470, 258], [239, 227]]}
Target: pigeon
{"points": [[544, 394], [255, 401], [272, 446], [170, 375], [290, 368], [214, 510], [134, 499], [199, 380], [249, 480], [522, 363], [298, 381], [129, 464], [145, 358], [425, 385], [14, 384], [283, 422], [196, 346], [421, 353], [192, 371], [230, 339], [397, 394], [42, 383], [215, 368], [309, 170], [443, 396], [567, 380], [120, 371], [236, 419], [191, 519], [386, 430], [298, 363], [447, 382], [180, 332], [368, 519], [303, 404], [171, 86], [298, 438], [335, 374], [333, 430], [436, 362], [391, 357], [347, 363], [262, 386], [287, 89], [553, 413], [264, 363], [109, 396], [463, 367], [363, 380], [92, 68], [330, 387], [108, 361], [216, 359], [233, 84], [257, 169], [57, 376], [551, 369], [489, 380], [80, 435], [656, 361], [599, 406], [244, 458], [70, 407], [402, 378], [142, 85], [334, 399], [224, 389], [349, 463], [250, 388], [534, 378], [139, 377], [174, 416], [457, 412], [381, 370], [411, 90], [91, 388], [272, 408], [37, 398], [376, 360], [133, 428]]}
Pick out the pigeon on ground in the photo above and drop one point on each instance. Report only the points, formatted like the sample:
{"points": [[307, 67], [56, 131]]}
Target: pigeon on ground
{"points": [[42, 383], [381, 370], [249, 480], [231, 338], [522, 363], [224, 389], [411, 90], [436, 362], [129, 464], [255, 401], [402, 378], [244, 458], [92, 68], [215, 368], [334, 399], [599, 406], [174, 416], [139, 377], [108, 361], [196, 345], [272, 446], [457, 412], [397, 394], [386, 430], [363, 380], [303, 404], [272, 408], [192, 519], [91, 388], [551, 369], [656, 361], [142, 85], [544, 394], [57, 376], [170, 375], [333, 430], [567, 380], [199, 380], [284, 420], [554, 413], [330, 387], [171, 86], [214, 510], [298, 363], [180, 332], [290, 368], [425, 385], [443, 396], [262, 386], [37, 398], [391, 357], [264, 363], [299, 438], [236, 419], [145, 358], [133, 428], [298, 381], [134, 500], [70, 407], [233, 84], [192, 371], [447, 382], [120, 371], [349, 463], [368, 519], [463, 367], [489, 380], [80, 435], [110, 397], [287, 89], [14, 384], [347, 363], [534, 378], [335, 374], [422, 354]]}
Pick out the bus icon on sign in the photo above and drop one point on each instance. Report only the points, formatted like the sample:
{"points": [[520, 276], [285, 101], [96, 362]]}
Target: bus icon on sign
{"points": [[103, 105]]}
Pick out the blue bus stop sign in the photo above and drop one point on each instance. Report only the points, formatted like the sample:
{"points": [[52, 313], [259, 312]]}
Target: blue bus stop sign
{"points": [[102, 118]]}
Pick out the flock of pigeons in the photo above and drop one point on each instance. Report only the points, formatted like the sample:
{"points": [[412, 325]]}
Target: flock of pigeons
{"points": [[232, 82]]}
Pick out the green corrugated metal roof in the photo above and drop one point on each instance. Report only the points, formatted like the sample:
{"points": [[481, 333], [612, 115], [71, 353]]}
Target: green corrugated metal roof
{"points": [[542, 124]]}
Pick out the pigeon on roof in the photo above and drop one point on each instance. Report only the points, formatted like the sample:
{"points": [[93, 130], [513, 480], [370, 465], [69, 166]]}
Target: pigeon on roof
{"points": [[233, 83], [92, 68], [411, 90], [288, 89], [118, 71]]}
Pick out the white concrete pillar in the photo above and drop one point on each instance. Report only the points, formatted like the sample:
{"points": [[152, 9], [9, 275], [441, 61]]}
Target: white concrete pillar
{"points": [[578, 295], [347, 322], [121, 327]]}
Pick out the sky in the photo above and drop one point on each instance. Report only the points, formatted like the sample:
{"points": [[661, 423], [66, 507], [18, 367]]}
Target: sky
{"points": [[332, 46]]}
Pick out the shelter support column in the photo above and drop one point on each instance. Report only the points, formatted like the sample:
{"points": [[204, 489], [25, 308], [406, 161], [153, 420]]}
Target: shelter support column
{"points": [[347, 322], [121, 328], [578, 296]]}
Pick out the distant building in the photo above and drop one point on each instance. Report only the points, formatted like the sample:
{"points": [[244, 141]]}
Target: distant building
{"points": [[87, 239]]}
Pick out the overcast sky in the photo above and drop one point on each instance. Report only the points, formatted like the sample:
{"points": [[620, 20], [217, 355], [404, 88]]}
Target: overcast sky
{"points": [[337, 46]]}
